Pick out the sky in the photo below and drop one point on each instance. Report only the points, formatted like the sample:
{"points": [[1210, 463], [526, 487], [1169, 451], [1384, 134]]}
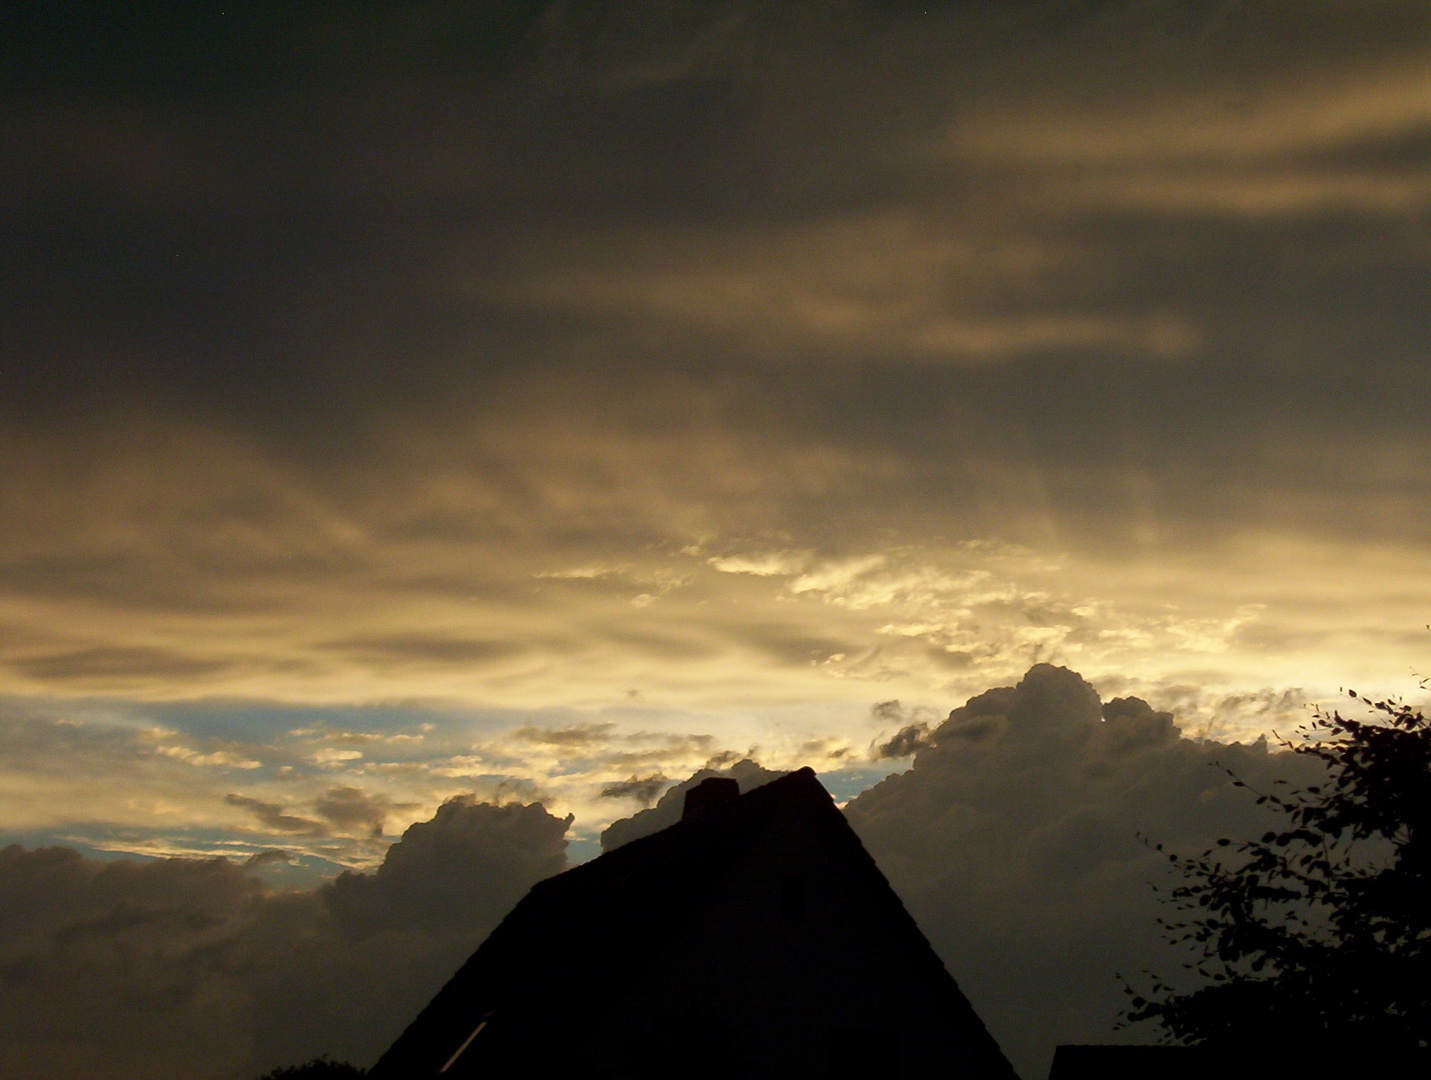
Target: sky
{"points": [[534, 403]]}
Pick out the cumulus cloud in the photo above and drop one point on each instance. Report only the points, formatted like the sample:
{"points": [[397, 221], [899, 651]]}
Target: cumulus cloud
{"points": [[672, 804], [501, 850], [1020, 839], [125, 969], [1014, 840], [185, 967]]}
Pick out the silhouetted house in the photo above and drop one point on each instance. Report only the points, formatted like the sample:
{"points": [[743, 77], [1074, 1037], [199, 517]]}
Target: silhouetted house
{"points": [[1113, 1062], [755, 938]]}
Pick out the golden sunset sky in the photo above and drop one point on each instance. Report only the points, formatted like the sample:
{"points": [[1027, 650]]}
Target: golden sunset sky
{"points": [[544, 400], [389, 389]]}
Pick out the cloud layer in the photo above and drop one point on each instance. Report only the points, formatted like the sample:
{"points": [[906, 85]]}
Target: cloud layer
{"points": [[609, 352], [1020, 841], [547, 401], [181, 967]]}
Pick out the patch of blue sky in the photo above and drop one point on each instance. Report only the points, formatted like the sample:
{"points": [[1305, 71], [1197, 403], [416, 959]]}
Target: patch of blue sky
{"points": [[247, 719], [844, 784], [261, 720], [582, 848], [102, 841]]}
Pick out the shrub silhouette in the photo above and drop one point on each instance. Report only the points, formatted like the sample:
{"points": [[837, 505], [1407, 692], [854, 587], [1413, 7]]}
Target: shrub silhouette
{"points": [[1320, 929]]}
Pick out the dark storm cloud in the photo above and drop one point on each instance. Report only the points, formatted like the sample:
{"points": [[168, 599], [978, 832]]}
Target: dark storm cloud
{"points": [[887, 712], [107, 965], [607, 115], [912, 729], [1021, 838], [1014, 840], [887, 256], [185, 967], [1021, 841]]}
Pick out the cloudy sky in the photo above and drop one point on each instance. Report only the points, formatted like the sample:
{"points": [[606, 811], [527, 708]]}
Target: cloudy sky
{"points": [[537, 402]]}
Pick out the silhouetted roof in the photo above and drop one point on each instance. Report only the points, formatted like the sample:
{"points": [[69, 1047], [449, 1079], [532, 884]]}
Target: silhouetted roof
{"points": [[577, 935], [1113, 1062]]}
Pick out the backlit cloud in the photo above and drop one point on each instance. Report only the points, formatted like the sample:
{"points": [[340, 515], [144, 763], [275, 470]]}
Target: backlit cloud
{"points": [[1015, 841], [183, 966], [535, 402]]}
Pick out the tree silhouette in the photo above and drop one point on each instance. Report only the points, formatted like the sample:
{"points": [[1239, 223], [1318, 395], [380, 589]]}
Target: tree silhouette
{"points": [[1318, 932]]}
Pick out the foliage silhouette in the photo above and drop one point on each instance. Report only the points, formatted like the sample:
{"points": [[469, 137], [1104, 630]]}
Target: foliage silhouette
{"points": [[320, 1068], [1318, 932]]}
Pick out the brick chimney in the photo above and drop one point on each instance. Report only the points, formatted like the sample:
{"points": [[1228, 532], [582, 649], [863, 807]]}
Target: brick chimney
{"points": [[709, 797]]}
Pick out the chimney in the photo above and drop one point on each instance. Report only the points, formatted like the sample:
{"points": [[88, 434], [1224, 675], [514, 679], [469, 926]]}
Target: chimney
{"points": [[709, 797]]}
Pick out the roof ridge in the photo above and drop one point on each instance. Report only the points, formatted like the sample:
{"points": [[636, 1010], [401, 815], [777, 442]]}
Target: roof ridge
{"points": [[607, 914]]}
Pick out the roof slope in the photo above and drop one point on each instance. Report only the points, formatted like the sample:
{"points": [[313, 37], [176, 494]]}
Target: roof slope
{"points": [[570, 936]]}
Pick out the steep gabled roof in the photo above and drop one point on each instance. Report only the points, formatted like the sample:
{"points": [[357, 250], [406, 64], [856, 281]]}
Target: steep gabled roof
{"points": [[572, 935], [1132, 1062]]}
